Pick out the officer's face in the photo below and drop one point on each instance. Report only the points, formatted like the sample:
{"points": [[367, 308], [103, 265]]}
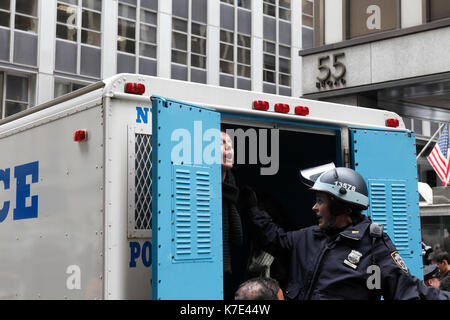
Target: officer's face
{"points": [[322, 209]]}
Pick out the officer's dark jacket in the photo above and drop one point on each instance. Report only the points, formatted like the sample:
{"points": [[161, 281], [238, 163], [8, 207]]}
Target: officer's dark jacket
{"points": [[317, 269]]}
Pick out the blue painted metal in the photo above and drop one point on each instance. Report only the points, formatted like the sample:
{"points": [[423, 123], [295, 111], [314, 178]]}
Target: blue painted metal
{"points": [[387, 161], [187, 203]]}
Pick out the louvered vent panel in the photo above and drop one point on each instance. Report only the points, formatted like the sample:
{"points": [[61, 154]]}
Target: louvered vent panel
{"points": [[400, 217], [183, 215], [378, 204], [203, 195], [192, 214]]}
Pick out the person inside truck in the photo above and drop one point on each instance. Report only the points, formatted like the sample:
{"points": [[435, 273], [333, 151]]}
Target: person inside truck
{"points": [[345, 256], [231, 222]]}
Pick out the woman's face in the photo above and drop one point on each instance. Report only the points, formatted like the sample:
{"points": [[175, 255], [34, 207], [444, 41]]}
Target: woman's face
{"points": [[227, 151], [322, 209]]}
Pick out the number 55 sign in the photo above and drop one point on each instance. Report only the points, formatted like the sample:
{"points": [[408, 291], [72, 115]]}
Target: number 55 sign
{"points": [[332, 71]]}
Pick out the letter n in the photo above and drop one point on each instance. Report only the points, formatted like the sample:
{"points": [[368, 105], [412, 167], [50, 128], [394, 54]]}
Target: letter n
{"points": [[142, 115]]}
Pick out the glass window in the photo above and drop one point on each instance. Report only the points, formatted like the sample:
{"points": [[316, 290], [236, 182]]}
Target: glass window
{"points": [[189, 40], [126, 29], [149, 17], [64, 87], [147, 50], [235, 44], [67, 14], [91, 20], [438, 9], [4, 4], [137, 35], [93, 4], [307, 24], [16, 95], [226, 52], [90, 37], [79, 22], [269, 9], [247, 4], [28, 7], [69, 17], [127, 11], [179, 41], [148, 33], [4, 18], [180, 25], [26, 15], [276, 46]]}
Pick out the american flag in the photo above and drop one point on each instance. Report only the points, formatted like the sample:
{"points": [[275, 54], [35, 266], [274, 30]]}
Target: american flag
{"points": [[439, 157]]}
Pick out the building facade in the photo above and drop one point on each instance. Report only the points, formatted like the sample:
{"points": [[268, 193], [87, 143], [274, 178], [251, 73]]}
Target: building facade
{"points": [[52, 47], [390, 55]]}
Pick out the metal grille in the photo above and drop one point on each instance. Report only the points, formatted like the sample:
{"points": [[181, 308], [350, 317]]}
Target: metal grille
{"points": [[143, 182]]}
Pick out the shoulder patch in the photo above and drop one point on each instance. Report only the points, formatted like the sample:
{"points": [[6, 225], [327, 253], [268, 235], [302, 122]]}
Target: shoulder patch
{"points": [[399, 261]]}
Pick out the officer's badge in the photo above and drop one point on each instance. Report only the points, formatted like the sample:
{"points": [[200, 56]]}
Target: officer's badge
{"points": [[353, 259], [399, 261]]}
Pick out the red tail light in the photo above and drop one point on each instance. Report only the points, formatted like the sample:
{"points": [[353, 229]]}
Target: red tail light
{"points": [[80, 135], [301, 111], [394, 123], [282, 108], [260, 105], [134, 88]]}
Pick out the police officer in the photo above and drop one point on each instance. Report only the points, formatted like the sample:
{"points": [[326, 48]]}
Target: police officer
{"points": [[431, 276], [346, 256]]}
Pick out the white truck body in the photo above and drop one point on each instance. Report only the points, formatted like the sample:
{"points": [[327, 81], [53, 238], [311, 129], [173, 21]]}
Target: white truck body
{"points": [[75, 217]]}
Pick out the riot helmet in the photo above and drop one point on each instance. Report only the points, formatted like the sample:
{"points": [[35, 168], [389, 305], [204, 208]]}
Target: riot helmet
{"points": [[343, 184]]}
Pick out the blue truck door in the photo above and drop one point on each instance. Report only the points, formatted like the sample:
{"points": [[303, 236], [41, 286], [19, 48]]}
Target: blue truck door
{"points": [[387, 161], [187, 202]]}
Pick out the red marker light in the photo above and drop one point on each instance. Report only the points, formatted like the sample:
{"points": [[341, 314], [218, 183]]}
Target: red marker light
{"points": [[282, 108], [80, 135], [301, 111], [134, 88], [260, 105], [394, 123]]}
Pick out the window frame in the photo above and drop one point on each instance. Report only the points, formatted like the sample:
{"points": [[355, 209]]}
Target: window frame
{"points": [[235, 44], [277, 73], [138, 42], [12, 28], [79, 30], [4, 90], [189, 35]]}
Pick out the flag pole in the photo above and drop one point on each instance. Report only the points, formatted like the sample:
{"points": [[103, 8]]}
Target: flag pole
{"points": [[434, 135]]}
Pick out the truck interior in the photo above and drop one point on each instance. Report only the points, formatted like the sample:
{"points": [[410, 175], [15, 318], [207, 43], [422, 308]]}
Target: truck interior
{"points": [[283, 195]]}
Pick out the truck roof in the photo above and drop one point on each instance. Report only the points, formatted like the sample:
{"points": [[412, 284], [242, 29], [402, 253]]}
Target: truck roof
{"points": [[230, 100]]}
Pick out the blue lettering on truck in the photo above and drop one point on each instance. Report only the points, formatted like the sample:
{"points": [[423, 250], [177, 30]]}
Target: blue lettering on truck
{"points": [[142, 115], [21, 172], [144, 252]]}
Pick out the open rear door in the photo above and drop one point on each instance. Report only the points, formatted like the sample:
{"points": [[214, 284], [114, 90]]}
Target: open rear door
{"points": [[387, 161], [187, 202]]}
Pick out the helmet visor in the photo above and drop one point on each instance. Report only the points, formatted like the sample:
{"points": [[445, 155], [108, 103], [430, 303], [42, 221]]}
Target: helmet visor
{"points": [[309, 176]]}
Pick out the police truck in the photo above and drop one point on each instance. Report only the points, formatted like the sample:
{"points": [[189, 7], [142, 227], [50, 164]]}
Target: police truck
{"points": [[113, 191]]}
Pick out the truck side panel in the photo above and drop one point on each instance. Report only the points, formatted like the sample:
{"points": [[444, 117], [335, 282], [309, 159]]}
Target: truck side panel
{"points": [[128, 184], [386, 159], [51, 192]]}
